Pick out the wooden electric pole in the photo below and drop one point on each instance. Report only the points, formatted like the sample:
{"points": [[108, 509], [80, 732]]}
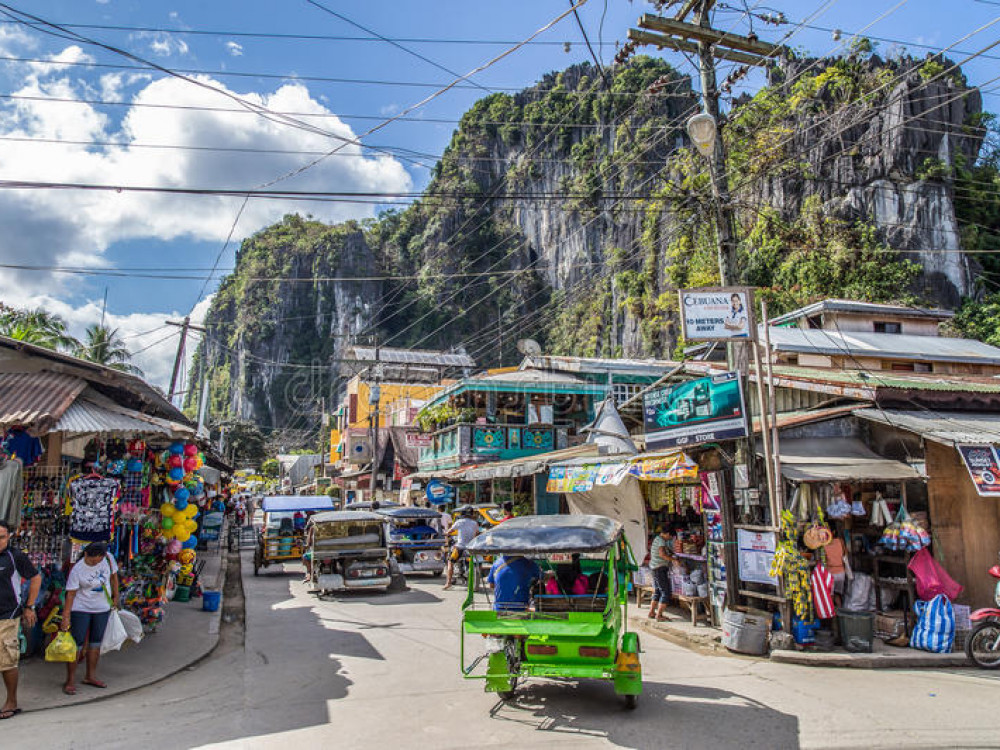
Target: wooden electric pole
{"points": [[185, 326], [375, 395]]}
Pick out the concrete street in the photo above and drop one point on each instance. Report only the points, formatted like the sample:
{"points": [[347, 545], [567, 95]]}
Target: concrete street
{"points": [[382, 671]]}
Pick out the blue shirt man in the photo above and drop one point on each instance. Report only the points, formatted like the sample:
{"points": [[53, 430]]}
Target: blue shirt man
{"points": [[512, 578]]}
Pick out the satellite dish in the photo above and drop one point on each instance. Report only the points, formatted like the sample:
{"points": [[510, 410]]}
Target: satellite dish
{"points": [[529, 347]]}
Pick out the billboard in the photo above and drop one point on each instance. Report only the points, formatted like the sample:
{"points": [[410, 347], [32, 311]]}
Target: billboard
{"points": [[984, 468], [718, 314], [698, 411]]}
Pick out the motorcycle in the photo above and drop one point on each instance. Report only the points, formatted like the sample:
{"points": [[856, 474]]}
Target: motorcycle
{"points": [[983, 646]]}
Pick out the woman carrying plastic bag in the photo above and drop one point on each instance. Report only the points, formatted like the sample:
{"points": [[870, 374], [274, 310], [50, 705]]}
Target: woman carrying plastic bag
{"points": [[89, 614]]}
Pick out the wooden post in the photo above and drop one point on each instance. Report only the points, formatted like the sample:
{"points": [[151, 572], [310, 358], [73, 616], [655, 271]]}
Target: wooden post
{"points": [[775, 440], [764, 432]]}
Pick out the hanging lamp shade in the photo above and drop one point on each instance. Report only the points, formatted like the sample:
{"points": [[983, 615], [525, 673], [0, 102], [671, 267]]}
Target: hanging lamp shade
{"points": [[703, 130]]}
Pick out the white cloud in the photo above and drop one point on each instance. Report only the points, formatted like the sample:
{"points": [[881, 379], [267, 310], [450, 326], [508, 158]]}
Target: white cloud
{"points": [[67, 227], [164, 45], [234, 48]]}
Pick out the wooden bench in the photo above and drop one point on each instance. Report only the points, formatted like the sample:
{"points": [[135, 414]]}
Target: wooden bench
{"points": [[698, 606], [642, 593]]}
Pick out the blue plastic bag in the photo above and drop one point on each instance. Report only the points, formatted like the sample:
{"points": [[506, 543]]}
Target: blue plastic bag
{"points": [[935, 629]]}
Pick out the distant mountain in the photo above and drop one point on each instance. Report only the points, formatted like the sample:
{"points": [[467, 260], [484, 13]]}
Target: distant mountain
{"points": [[571, 213]]}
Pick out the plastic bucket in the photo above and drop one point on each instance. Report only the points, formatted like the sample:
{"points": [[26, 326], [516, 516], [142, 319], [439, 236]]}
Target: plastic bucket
{"points": [[210, 600], [857, 630], [745, 631], [182, 594]]}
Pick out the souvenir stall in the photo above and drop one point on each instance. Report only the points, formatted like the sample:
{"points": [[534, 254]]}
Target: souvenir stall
{"points": [[74, 488], [854, 539]]}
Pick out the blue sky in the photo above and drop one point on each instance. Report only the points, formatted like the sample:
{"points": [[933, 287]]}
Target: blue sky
{"points": [[186, 234]]}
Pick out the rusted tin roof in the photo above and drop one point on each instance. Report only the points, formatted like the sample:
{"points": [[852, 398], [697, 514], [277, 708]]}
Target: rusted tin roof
{"points": [[36, 400]]}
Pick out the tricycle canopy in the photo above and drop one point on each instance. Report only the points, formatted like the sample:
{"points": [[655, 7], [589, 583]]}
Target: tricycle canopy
{"points": [[367, 505], [293, 503], [409, 514], [529, 535], [344, 516]]}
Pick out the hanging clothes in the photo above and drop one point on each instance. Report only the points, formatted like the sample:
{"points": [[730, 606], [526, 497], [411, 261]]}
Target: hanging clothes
{"points": [[11, 492], [22, 445], [92, 501]]}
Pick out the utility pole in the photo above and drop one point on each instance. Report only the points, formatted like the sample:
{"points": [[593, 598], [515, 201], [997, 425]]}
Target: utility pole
{"points": [[374, 396], [185, 326]]}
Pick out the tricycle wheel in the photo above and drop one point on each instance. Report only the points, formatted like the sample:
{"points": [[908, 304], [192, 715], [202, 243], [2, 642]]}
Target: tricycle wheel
{"points": [[508, 695], [631, 701]]}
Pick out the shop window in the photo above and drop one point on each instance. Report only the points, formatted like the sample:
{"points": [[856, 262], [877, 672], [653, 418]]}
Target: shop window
{"points": [[900, 367], [923, 367], [883, 326], [622, 392]]}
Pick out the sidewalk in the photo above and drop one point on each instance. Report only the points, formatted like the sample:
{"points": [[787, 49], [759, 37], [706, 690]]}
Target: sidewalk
{"points": [[708, 640], [186, 635]]}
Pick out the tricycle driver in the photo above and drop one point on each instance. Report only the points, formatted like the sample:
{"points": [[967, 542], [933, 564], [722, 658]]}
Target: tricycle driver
{"points": [[513, 578]]}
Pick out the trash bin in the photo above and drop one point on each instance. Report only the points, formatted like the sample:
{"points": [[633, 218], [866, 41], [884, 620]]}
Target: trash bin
{"points": [[182, 594], [744, 630], [210, 600], [857, 630]]}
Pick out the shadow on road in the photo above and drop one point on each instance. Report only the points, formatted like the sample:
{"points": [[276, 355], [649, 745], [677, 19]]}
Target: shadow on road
{"points": [[671, 715]]}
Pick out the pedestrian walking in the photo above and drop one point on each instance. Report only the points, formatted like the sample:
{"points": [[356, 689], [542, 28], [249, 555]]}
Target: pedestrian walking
{"points": [[91, 594], [15, 568]]}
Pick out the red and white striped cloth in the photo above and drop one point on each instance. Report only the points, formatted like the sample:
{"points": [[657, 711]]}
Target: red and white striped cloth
{"points": [[821, 582]]}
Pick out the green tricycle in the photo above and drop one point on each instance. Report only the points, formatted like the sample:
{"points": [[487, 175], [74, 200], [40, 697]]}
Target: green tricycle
{"points": [[566, 617]]}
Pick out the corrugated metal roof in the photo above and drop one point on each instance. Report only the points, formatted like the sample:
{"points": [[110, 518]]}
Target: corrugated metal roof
{"points": [[36, 400], [948, 427], [394, 356], [85, 416], [884, 345], [838, 459], [854, 306]]}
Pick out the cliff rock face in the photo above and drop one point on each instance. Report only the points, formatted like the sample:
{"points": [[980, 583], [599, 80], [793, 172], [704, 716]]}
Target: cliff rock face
{"points": [[571, 213]]}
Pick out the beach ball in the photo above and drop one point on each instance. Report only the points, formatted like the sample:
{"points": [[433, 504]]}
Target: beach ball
{"points": [[167, 510], [191, 543], [190, 464], [198, 490], [182, 506], [175, 462], [177, 449], [167, 523], [176, 474], [191, 525], [190, 449], [183, 535], [191, 511], [181, 494]]}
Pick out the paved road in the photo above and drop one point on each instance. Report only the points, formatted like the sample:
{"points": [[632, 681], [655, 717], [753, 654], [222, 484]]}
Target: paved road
{"points": [[382, 671]]}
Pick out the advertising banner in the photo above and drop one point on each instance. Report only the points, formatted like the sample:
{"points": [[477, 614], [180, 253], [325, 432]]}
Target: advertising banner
{"points": [[718, 314], [699, 411], [984, 468], [756, 553]]}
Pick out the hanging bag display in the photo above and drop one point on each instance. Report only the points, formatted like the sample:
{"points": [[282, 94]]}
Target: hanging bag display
{"points": [[931, 578], [935, 628], [821, 582]]}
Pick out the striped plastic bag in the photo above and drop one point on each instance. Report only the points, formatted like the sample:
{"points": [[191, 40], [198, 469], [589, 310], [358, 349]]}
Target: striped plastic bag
{"points": [[822, 590], [935, 628]]}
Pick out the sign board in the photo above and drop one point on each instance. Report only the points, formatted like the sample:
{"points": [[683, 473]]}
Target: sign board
{"points": [[359, 449], [718, 314], [438, 492], [418, 440], [756, 553], [984, 468], [698, 411]]}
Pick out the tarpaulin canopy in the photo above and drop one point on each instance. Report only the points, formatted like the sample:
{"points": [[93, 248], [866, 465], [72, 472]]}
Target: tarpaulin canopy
{"points": [[577, 476], [291, 503], [839, 460]]}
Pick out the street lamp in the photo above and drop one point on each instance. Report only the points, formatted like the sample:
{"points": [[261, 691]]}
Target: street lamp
{"points": [[703, 131]]}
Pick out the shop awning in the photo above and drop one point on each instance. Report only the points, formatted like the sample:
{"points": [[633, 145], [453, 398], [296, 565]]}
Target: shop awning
{"points": [[839, 460], [289, 503], [582, 474], [36, 400], [526, 465], [947, 427], [85, 416]]}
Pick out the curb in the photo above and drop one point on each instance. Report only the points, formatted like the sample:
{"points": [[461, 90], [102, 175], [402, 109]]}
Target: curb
{"points": [[872, 661], [711, 644], [213, 630]]}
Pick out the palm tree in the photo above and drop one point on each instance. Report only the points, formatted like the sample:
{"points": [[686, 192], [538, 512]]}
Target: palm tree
{"points": [[104, 346], [37, 327]]}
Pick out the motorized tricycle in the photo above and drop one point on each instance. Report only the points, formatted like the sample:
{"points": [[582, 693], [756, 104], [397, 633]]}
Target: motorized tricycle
{"points": [[348, 550], [282, 533], [414, 543], [573, 624]]}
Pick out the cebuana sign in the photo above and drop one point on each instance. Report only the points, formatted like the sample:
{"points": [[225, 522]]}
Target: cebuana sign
{"points": [[718, 314]]}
